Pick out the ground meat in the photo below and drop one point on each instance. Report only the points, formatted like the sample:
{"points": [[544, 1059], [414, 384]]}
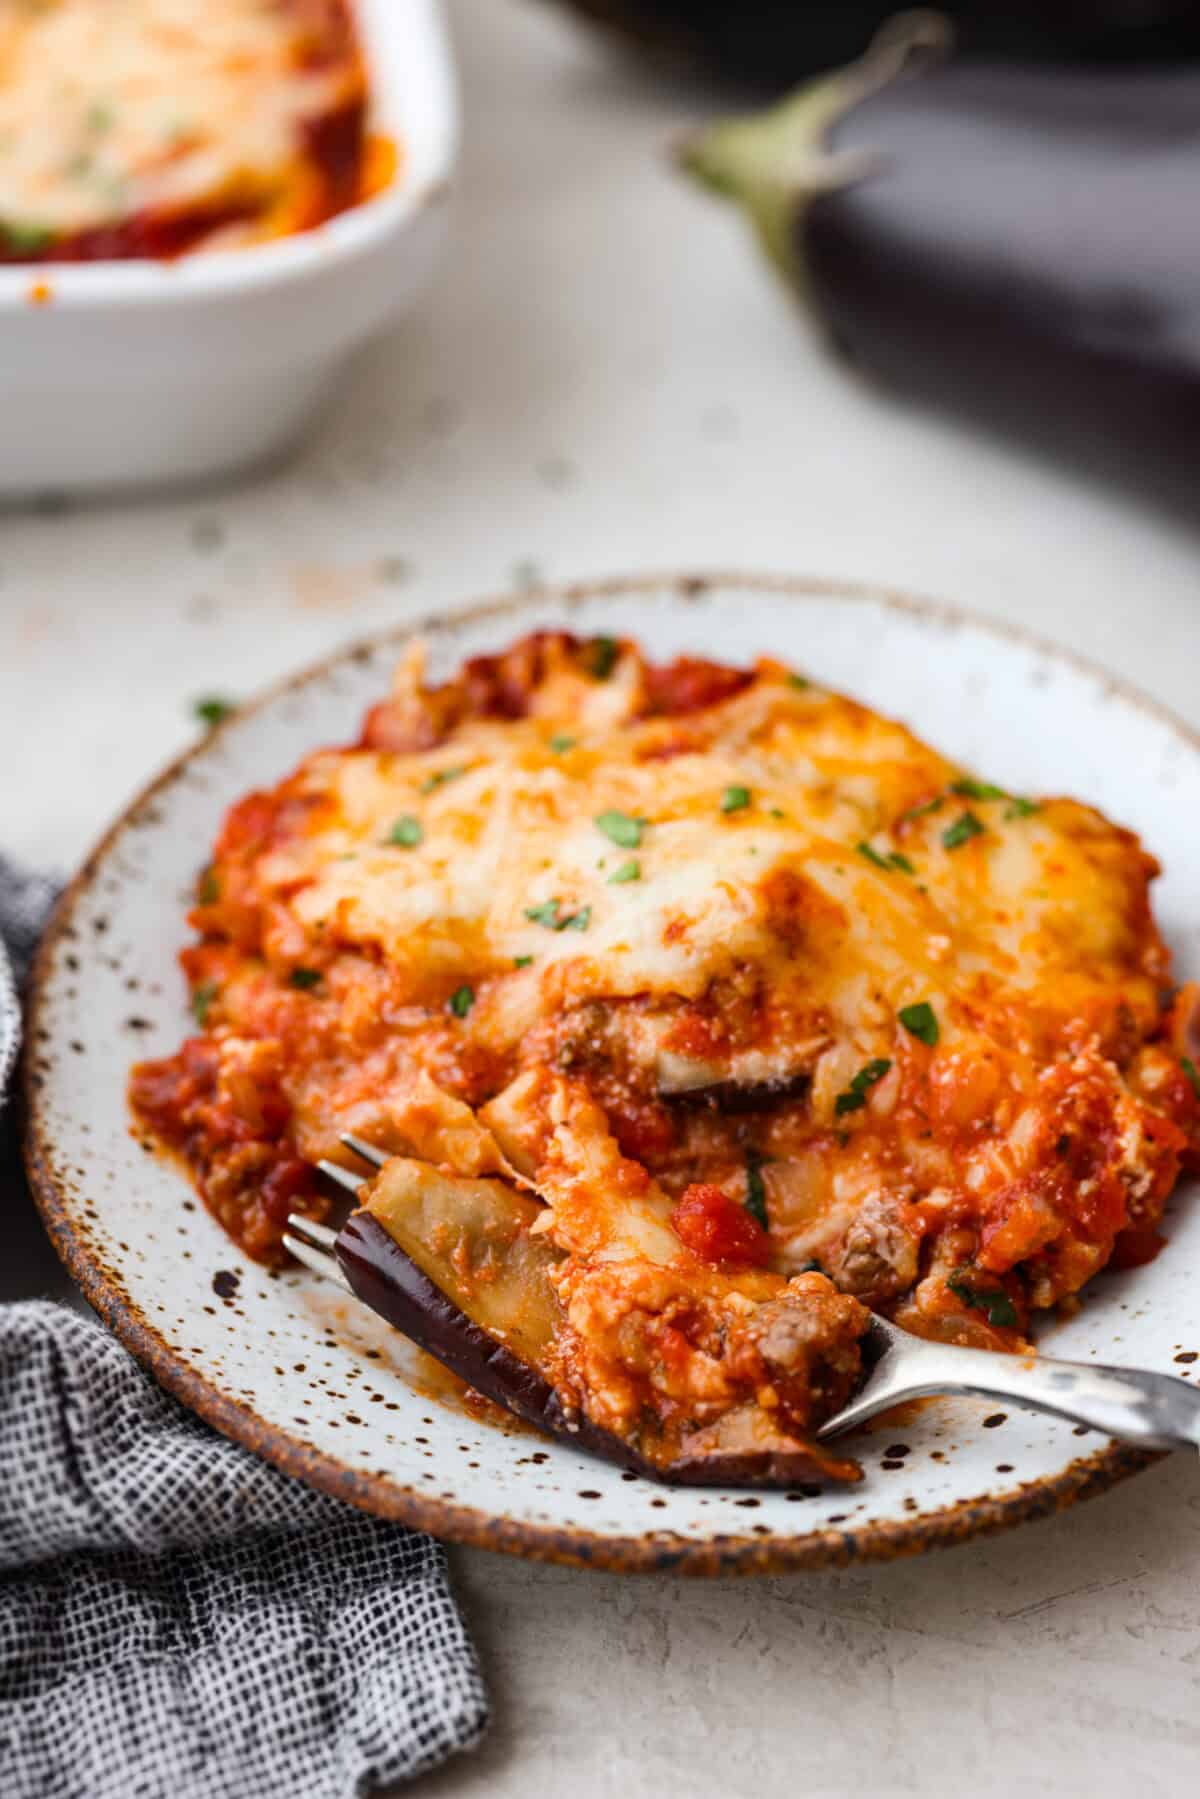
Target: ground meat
{"points": [[878, 1257]]}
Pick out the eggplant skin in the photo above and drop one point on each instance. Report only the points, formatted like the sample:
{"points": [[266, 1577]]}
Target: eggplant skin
{"points": [[779, 41], [1023, 251], [387, 1280]]}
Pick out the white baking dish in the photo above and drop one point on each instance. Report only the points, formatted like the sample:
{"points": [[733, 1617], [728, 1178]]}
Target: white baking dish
{"points": [[115, 374]]}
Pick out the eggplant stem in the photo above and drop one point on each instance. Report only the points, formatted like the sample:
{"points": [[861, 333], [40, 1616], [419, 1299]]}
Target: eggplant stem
{"points": [[774, 162]]}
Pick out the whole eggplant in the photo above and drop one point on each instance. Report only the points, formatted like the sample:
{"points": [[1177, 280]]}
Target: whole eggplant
{"points": [[776, 42], [1018, 242]]}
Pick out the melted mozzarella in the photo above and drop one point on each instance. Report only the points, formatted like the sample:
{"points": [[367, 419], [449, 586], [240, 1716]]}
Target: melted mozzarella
{"points": [[507, 873], [111, 108]]}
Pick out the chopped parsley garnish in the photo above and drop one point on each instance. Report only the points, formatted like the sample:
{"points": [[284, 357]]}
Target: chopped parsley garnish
{"points": [[561, 743], [406, 832], [998, 1306], [799, 682], [202, 999], [1018, 805], [775, 812], [893, 859], [603, 657], [735, 799], [628, 871], [461, 1001], [978, 790], [1192, 1073], [961, 831], [439, 777], [756, 1188], [212, 709], [548, 914], [920, 1021], [522, 961], [25, 237], [872, 855], [621, 828], [305, 978], [855, 1096], [208, 891], [933, 805]]}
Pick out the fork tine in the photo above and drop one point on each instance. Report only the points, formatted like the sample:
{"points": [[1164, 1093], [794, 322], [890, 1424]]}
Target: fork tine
{"points": [[315, 1259], [343, 1176], [362, 1148], [319, 1235]]}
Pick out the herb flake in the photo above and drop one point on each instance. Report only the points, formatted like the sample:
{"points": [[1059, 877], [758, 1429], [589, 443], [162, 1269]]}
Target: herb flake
{"points": [[621, 828], [971, 789], [602, 658], [1192, 1073], [920, 1021], [439, 777], [628, 871], [202, 998], [305, 978], [560, 743], [735, 799], [548, 914], [212, 710], [893, 859], [461, 1001], [24, 237], [872, 855], [922, 811], [755, 1201], [998, 1306], [965, 826], [406, 832], [854, 1097]]}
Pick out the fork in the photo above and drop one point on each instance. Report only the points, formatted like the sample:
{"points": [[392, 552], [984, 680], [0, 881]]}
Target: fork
{"points": [[1157, 1411]]}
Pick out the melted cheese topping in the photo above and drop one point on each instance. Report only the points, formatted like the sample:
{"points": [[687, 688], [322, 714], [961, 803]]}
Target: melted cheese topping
{"points": [[782, 844], [111, 109]]}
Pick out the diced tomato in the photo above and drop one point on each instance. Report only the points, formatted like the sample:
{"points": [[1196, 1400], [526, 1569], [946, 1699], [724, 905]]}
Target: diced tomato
{"points": [[249, 824], [690, 683], [1135, 1247], [644, 1128], [286, 1180], [718, 1229]]}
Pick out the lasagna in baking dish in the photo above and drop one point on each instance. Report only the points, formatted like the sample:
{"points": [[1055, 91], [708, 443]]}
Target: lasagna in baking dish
{"points": [[738, 1006], [152, 127]]}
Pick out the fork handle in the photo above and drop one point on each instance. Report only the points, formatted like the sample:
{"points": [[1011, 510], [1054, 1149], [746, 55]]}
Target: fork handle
{"points": [[1157, 1410]]}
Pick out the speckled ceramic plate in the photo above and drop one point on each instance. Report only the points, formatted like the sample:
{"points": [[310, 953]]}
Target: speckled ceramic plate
{"points": [[322, 1388]]}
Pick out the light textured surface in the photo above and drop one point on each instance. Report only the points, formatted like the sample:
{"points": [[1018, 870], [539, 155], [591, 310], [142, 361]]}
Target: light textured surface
{"points": [[604, 379]]}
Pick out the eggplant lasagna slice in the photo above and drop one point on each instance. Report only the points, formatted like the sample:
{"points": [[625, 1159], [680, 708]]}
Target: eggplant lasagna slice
{"points": [[699, 1008], [153, 127]]}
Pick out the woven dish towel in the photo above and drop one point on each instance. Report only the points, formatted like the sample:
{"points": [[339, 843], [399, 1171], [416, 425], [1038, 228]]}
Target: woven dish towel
{"points": [[178, 1620]]}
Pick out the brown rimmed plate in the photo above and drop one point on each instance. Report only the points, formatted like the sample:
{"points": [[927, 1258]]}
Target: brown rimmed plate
{"points": [[301, 1375]]}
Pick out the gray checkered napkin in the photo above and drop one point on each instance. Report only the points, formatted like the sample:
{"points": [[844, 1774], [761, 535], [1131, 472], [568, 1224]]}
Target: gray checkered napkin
{"points": [[178, 1620]]}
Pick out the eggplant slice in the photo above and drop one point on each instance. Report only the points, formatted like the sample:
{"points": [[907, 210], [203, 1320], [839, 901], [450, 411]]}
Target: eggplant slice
{"points": [[456, 1267]]}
